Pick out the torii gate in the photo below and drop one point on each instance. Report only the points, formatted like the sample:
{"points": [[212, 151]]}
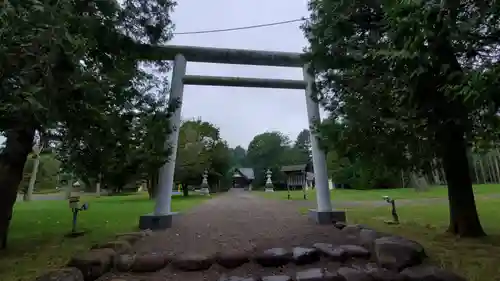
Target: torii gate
{"points": [[161, 218]]}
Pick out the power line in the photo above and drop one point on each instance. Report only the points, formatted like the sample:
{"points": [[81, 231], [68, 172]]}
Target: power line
{"points": [[239, 28]]}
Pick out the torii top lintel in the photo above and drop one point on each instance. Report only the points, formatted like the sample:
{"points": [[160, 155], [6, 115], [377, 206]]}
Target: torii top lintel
{"points": [[224, 56]]}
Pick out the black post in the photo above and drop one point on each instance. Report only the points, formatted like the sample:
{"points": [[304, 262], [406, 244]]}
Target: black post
{"points": [[395, 216], [75, 216]]}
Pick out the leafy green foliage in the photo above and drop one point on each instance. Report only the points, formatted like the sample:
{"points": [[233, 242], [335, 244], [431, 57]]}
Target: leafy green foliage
{"points": [[69, 69], [414, 78], [201, 148], [238, 157], [268, 151], [303, 146], [379, 166], [47, 176]]}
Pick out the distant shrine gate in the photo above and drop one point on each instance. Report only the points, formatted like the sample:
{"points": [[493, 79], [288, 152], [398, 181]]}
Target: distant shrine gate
{"points": [[161, 218]]}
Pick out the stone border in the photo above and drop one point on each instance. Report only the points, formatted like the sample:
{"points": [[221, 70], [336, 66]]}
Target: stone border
{"points": [[365, 255], [98, 260]]}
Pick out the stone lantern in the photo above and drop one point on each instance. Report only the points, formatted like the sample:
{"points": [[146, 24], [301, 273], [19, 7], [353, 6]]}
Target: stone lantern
{"points": [[204, 184], [269, 183]]}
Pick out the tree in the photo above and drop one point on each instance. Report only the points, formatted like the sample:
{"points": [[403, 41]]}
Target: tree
{"points": [[200, 148], [67, 65], [220, 165], [366, 162], [124, 155], [300, 151], [48, 172], [267, 151], [238, 157], [303, 145], [425, 69]]}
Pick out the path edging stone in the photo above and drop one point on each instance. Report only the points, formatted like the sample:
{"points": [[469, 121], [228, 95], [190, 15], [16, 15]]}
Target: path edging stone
{"points": [[95, 262]]}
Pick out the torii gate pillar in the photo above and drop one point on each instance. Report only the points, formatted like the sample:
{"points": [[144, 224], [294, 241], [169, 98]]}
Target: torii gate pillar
{"points": [[324, 214]]}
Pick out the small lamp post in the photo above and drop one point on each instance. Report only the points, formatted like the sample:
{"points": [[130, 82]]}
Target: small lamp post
{"points": [[269, 183], [395, 217], [204, 184], [75, 209]]}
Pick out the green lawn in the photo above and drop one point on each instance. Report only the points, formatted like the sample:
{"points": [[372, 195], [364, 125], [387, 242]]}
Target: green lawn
{"points": [[37, 242], [375, 195], [476, 259]]}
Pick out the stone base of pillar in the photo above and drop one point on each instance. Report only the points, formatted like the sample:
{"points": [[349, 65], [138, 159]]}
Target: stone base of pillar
{"points": [[269, 189], [327, 217], [156, 222], [205, 191]]}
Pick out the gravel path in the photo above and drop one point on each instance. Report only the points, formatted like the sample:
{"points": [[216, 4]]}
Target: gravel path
{"points": [[236, 220]]}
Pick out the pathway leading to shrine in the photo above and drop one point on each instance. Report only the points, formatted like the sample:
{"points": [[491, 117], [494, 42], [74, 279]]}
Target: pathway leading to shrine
{"points": [[250, 236], [235, 221], [238, 220]]}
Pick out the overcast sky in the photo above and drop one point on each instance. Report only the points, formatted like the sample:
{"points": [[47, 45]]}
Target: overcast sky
{"points": [[242, 113]]}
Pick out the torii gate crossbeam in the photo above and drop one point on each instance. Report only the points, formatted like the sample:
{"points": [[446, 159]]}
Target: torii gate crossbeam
{"points": [[161, 218]]}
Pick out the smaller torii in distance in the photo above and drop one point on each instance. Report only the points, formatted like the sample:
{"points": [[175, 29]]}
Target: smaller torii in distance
{"points": [[161, 218]]}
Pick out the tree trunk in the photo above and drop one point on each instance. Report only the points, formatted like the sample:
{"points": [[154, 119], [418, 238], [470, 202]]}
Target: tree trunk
{"points": [[470, 159], [497, 168], [28, 195], [419, 182], [153, 183], [12, 159], [185, 190], [491, 168], [476, 173], [481, 167], [435, 175], [69, 188], [443, 175], [98, 186], [464, 220]]}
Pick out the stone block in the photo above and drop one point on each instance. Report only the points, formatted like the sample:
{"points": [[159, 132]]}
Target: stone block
{"points": [[327, 217], [276, 278], [192, 262], [123, 263], [119, 246], [62, 274], [303, 256], [316, 274], [232, 259], [93, 263], [156, 222], [397, 253], [355, 251], [332, 252], [274, 257], [149, 262]]}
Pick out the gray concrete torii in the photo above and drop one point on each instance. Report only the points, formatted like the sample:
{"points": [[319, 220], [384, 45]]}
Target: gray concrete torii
{"points": [[161, 218]]}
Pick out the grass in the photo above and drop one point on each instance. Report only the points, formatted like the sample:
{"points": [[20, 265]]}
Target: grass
{"points": [[475, 259], [376, 195], [36, 238]]}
